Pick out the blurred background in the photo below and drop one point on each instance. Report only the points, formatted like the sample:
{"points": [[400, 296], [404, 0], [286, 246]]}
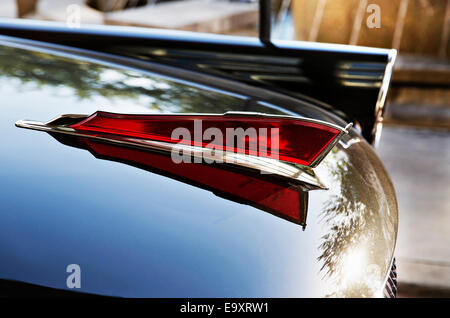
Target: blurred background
{"points": [[415, 145]]}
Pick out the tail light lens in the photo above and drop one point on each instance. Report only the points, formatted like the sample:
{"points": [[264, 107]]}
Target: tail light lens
{"points": [[293, 140]]}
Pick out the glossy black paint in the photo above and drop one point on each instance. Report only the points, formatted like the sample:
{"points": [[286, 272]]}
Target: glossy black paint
{"points": [[137, 233], [348, 78]]}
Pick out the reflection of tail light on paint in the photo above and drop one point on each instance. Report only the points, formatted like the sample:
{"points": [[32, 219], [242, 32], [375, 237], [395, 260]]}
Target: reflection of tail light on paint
{"points": [[260, 191], [145, 141]]}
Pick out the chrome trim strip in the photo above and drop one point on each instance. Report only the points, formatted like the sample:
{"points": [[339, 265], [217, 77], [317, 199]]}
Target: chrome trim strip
{"points": [[379, 107]]}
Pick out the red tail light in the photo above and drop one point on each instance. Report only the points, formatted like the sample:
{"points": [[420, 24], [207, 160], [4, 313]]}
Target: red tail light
{"points": [[299, 140], [146, 141]]}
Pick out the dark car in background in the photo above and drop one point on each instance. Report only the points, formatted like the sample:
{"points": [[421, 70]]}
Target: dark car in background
{"points": [[93, 189]]}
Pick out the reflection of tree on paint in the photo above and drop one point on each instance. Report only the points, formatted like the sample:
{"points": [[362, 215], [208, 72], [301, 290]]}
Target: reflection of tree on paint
{"points": [[350, 269], [36, 70]]}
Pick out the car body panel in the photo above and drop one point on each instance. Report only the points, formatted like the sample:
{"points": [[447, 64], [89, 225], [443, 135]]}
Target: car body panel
{"points": [[137, 233]]}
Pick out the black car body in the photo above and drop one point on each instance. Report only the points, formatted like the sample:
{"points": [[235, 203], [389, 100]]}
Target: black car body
{"points": [[139, 229]]}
